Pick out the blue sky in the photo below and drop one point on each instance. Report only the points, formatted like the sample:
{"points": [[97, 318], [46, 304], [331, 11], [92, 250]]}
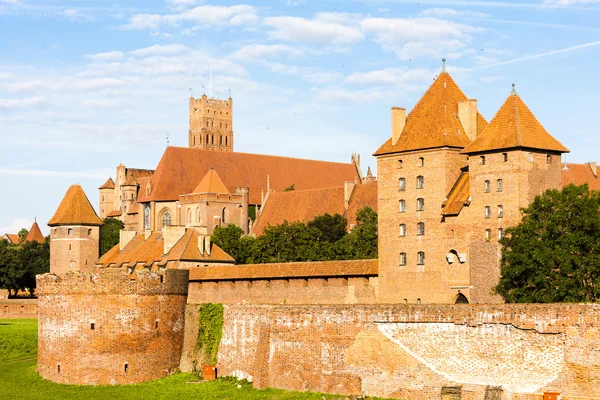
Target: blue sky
{"points": [[85, 86]]}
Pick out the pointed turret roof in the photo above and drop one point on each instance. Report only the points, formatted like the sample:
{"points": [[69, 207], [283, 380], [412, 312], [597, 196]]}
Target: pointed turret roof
{"points": [[35, 234], [514, 126], [75, 209], [109, 184], [211, 183], [434, 122]]}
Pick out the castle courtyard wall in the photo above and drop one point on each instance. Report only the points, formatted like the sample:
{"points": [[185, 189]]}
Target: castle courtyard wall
{"points": [[18, 309], [412, 351]]}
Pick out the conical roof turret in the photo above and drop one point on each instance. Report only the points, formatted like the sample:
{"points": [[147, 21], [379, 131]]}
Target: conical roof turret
{"points": [[211, 183], [35, 234], [75, 209]]}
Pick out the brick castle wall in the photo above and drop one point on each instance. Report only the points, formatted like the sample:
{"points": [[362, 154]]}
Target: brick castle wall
{"points": [[18, 308], [109, 327], [413, 351]]}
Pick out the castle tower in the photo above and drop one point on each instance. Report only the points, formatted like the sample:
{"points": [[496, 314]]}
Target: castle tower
{"points": [[74, 234], [107, 198], [417, 167], [211, 125]]}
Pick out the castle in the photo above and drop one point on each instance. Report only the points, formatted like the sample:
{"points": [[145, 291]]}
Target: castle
{"points": [[449, 184]]}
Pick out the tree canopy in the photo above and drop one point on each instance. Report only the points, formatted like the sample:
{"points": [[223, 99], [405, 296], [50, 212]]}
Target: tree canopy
{"points": [[19, 264], [323, 238], [553, 255], [109, 234]]}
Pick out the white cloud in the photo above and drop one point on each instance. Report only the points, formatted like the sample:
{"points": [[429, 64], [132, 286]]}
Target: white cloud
{"points": [[15, 226], [203, 16], [20, 102], [451, 13], [415, 37], [158, 50], [75, 14], [566, 3], [260, 52], [106, 56], [325, 28], [389, 76]]}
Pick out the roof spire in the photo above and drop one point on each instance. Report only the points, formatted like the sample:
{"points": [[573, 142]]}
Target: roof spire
{"points": [[443, 64], [513, 92]]}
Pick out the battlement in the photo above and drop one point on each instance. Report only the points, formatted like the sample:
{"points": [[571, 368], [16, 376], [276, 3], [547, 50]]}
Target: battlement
{"points": [[115, 281], [205, 101], [196, 197]]}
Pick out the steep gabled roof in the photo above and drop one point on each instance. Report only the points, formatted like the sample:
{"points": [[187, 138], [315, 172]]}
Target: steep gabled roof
{"points": [[180, 169], [186, 249], [514, 126], [434, 122], [75, 209], [578, 174], [109, 184], [12, 238], [362, 196], [458, 196], [299, 206], [211, 183], [35, 234]]}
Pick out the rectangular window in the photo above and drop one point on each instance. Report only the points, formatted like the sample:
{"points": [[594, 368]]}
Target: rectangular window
{"points": [[487, 186], [482, 160], [488, 234], [505, 157], [399, 163], [420, 182], [500, 233], [548, 159], [420, 204], [402, 258], [500, 211], [500, 185], [401, 184], [530, 157], [402, 206], [488, 212], [402, 229], [420, 258], [421, 162]]}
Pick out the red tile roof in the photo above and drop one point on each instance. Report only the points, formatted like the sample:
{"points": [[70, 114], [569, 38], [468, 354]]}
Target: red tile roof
{"points": [[109, 184], [12, 238], [434, 120], [578, 174], [211, 183], [75, 209], [514, 126], [115, 213], [151, 251], [458, 196], [181, 169], [316, 269], [35, 234], [362, 196], [299, 205]]}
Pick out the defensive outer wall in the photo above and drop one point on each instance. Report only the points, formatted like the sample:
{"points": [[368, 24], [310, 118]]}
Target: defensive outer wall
{"points": [[110, 327], [412, 351]]}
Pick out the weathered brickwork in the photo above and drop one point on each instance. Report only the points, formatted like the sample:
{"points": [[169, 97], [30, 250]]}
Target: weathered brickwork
{"points": [[109, 327], [211, 123], [74, 247], [17, 309], [413, 351]]}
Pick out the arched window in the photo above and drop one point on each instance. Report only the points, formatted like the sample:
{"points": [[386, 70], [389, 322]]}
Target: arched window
{"points": [[401, 184], [420, 228], [189, 216], [194, 140], [420, 182], [221, 140], [226, 141], [402, 229], [206, 138], [165, 218], [461, 299], [487, 186], [421, 162], [223, 216], [500, 185], [226, 125], [221, 125], [500, 211], [402, 260], [89, 232], [198, 216], [402, 206], [421, 258], [488, 212], [70, 231], [207, 124], [420, 204], [147, 217], [212, 139]]}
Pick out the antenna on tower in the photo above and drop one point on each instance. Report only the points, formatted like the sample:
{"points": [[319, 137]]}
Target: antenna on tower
{"points": [[209, 81], [229, 92], [203, 89], [443, 64], [167, 139], [191, 92]]}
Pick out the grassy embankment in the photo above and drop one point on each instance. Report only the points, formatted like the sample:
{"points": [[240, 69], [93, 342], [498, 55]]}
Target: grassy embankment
{"points": [[19, 379]]}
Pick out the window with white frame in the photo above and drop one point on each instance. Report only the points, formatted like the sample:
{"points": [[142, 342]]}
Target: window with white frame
{"points": [[488, 234], [402, 260], [420, 182], [487, 186], [500, 211], [421, 258], [402, 229], [500, 233], [402, 184], [402, 206], [420, 204], [488, 212], [420, 228], [500, 185]]}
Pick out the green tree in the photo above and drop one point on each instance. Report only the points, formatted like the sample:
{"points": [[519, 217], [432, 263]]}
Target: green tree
{"points": [[361, 242], [23, 234], [9, 267], [287, 242], [232, 240], [34, 259], [332, 227], [553, 255], [109, 234]]}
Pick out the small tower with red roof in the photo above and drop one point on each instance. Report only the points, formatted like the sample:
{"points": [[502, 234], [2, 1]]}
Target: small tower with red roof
{"points": [[74, 234]]}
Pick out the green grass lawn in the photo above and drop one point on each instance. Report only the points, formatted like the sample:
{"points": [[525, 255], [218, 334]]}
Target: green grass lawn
{"points": [[19, 378]]}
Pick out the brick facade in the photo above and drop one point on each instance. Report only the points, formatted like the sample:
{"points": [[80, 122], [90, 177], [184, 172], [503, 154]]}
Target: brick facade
{"points": [[110, 328], [413, 351], [74, 248], [211, 125], [18, 309]]}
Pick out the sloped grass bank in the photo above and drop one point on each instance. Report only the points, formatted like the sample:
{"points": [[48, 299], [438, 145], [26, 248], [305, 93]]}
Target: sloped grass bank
{"points": [[19, 378]]}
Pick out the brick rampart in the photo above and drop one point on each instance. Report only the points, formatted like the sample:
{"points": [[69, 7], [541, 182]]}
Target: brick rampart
{"points": [[18, 308], [322, 282], [413, 351], [110, 327]]}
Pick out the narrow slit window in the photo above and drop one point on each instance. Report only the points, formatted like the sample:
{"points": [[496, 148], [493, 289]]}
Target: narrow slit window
{"points": [[505, 157], [487, 186], [500, 185], [92, 326], [126, 367], [482, 160], [488, 212], [488, 234]]}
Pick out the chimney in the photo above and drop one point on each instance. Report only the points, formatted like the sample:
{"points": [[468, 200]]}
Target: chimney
{"points": [[171, 235], [348, 189], [398, 122], [467, 114], [125, 237], [593, 167]]}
